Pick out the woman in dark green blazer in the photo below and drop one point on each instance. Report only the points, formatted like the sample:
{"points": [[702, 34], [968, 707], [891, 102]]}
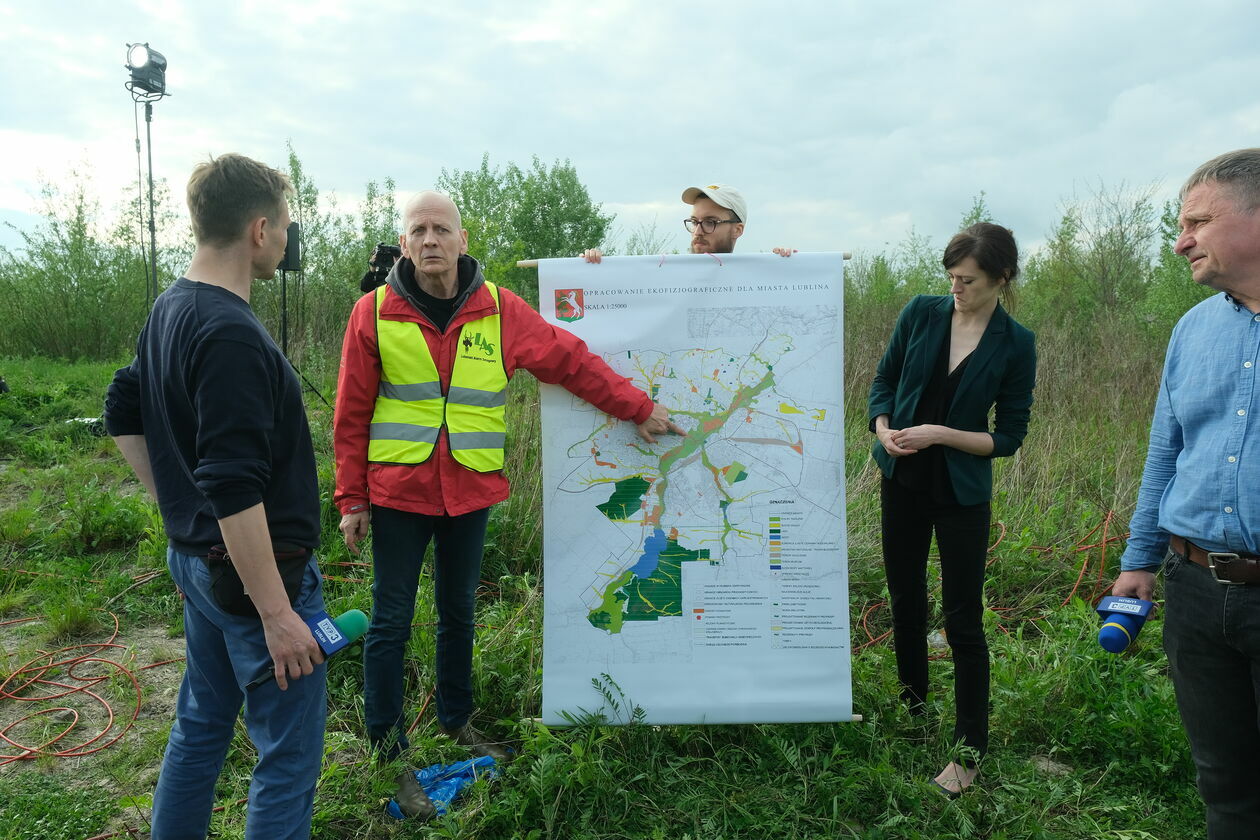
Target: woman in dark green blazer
{"points": [[950, 360]]}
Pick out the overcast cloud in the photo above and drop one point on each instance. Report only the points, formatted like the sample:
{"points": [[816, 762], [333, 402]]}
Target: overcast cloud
{"points": [[845, 124]]}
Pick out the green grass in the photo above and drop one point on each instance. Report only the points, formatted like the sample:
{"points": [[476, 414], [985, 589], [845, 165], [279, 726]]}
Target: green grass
{"points": [[78, 538], [50, 807]]}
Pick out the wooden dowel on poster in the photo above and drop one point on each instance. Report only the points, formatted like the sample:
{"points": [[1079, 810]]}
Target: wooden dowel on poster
{"points": [[534, 263]]}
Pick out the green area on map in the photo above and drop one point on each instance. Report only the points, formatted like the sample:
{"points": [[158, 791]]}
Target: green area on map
{"points": [[659, 595], [626, 499]]}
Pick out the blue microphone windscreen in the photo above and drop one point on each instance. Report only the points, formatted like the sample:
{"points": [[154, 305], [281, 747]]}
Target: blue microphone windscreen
{"points": [[1113, 637]]}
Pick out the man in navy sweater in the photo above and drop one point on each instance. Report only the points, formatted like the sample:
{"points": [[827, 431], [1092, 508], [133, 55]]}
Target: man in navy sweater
{"points": [[210, 417]]}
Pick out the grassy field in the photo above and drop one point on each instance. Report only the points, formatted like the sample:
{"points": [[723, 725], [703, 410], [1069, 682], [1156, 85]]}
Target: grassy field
{"points": [[1084, 744]]}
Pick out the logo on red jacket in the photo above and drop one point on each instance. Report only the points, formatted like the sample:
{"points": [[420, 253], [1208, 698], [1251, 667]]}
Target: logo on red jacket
{"points": [[569, 306]]}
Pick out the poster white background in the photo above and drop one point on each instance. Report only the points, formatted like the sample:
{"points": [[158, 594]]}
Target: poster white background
{"points": [[705, 575]]}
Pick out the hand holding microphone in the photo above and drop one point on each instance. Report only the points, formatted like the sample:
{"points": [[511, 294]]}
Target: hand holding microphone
{"points": [[1122, 619], [331, 634]]}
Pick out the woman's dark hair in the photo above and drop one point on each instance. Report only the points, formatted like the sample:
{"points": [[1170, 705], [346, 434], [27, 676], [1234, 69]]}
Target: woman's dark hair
{"points": [[994, 250]]}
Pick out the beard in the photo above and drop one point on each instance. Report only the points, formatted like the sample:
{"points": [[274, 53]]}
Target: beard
{"points": [[727, 247]]}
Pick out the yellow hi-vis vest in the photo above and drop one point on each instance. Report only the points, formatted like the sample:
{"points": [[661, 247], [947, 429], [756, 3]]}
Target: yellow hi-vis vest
{"points": [[411, 409]]}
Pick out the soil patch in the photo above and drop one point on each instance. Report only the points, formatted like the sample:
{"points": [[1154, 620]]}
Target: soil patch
{"points": [[71, 702]]}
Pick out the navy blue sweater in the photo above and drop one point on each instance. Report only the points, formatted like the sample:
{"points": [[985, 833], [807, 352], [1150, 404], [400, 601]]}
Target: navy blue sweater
{"points": [[222, 416]]}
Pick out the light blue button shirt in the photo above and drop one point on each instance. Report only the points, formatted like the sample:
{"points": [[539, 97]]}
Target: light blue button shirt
{"points": [[1202, 475]]}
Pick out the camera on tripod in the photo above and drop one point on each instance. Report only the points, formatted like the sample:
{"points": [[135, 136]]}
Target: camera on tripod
{"points": [[382, 260]]}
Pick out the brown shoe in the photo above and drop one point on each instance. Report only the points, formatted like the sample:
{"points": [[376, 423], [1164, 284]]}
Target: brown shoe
{"points": [[411, 798], [476, 741]]}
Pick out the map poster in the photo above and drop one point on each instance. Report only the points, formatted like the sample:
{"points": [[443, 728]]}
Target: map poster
{"points": [[701, 579]]}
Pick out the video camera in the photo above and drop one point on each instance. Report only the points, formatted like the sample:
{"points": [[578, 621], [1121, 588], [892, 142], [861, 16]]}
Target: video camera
{"points": [[382, 260]]}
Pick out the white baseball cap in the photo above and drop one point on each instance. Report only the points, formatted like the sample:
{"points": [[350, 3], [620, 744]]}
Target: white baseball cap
{"points": [[724, 195]]}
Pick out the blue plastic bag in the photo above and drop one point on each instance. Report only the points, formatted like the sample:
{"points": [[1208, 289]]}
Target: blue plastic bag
{"points": [[443, 782]]}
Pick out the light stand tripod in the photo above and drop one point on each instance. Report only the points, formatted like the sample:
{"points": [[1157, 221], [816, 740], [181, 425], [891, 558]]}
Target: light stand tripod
{"points": [[147, 85]]}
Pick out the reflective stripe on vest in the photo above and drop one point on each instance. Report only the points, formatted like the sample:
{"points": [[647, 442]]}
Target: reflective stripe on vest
{"points": [[410, 409]]}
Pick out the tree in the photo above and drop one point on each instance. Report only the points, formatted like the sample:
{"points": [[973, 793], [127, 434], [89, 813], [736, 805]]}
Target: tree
{"points": [[1112, 254], [74, 290], [1098, 258], [513, 214], [978, 213], [645, 239], [1172, 289], [918, 268]]}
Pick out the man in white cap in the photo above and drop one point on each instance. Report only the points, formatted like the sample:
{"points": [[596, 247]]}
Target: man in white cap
{"points": [[718, 213]]}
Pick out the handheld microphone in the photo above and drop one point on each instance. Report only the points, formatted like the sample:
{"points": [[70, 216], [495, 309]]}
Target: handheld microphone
{"points": [[332, 634], [1122, 619]]}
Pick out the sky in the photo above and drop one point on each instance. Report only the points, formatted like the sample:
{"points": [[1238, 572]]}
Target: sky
{"points": [[846, 125]]}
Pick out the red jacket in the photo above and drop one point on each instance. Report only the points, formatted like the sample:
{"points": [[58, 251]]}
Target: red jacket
{"points": [[441, 485]]}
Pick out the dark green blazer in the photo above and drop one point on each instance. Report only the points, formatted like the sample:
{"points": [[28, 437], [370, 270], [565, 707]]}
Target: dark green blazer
{"points": [[1002, 372]]}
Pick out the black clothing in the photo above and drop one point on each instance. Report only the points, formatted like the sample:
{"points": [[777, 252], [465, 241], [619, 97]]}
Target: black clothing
{"points": [[222, 417], [1000, 376], [907, 519], [927, 470], [402, 279]]}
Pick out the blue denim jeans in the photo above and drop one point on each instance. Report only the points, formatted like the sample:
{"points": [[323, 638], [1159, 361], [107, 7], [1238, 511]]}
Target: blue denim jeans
{"points": [[224, 653], [1212, 637], [399, 540]]}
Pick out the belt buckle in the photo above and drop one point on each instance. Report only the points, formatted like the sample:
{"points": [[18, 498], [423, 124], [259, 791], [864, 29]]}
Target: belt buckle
{"points": [[1227, 558]]}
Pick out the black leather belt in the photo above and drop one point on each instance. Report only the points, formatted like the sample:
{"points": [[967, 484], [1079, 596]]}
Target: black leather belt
{"points": [[1226, 566]]}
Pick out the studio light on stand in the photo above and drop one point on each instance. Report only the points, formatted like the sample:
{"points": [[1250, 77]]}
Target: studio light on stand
{"points": [[147, 84]]}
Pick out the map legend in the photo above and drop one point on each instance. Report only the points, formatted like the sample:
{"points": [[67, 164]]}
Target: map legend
{"points": [[776, 544], [795, 549]]}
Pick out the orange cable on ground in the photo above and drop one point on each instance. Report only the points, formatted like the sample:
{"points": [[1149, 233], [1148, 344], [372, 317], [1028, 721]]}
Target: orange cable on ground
{"points": [[423, 708], [34, 681]]}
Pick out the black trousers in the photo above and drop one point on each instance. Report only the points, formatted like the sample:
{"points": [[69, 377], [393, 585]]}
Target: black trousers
{"points": [[907, 519]]}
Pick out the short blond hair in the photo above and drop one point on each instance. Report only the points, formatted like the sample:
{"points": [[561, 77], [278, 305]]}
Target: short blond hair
{"points": [[228, 192]]}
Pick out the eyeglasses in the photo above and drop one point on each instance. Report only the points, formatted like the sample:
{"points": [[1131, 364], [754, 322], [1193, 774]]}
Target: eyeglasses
{"points": [[706, 225]]}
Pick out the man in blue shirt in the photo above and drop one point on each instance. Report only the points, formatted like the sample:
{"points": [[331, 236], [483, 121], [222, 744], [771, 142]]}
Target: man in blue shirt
{"points": [[1199, 502]]}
